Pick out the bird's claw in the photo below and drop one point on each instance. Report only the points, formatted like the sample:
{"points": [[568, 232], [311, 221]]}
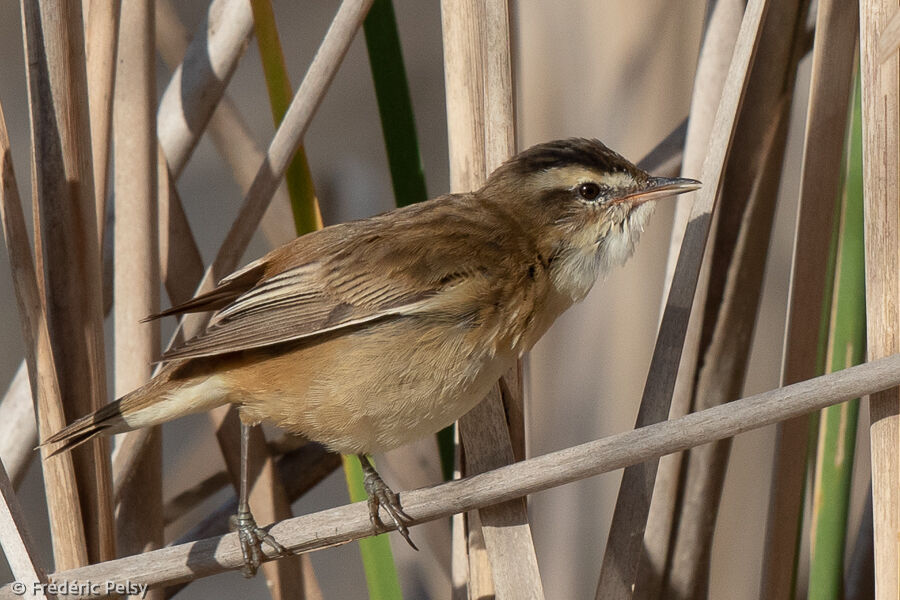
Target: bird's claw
{"points": [[251, 538], [380, 495]]}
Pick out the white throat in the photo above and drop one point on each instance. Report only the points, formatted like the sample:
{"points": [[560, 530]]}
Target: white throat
{"points": [[608, 247]]}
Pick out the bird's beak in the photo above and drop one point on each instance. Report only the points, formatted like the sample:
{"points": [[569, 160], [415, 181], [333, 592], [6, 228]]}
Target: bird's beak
{"points": [[658, 187]]}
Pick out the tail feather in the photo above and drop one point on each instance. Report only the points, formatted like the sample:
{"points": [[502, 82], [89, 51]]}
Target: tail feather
{"points": [[162, 399], [87, 427]]}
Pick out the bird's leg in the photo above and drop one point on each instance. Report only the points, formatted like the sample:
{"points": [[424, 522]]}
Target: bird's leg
{"points": [[250, 535], [380, 495]]}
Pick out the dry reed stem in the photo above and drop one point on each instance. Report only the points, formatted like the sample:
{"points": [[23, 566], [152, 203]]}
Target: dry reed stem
{"points": [[300, 470], [101, 36], [734, 272], [287, 138], [180, 263], [623, 550], [481, 127], [461, 24], [504, 527], [832, 68], [15, 540], [68, 240], [722, 376], [181, 268], [200, 80], [665, 158], [499, 95], [459, 567], [136, 278], [346, 523], [227, 130], [890, 36], [709, 80], [188, 499], [60, 484], [269, 502], [464, 97], [881, 155], [462, 37]]}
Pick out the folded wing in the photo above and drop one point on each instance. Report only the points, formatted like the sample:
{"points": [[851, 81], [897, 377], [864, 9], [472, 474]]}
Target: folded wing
{"points": [[330, 280]]}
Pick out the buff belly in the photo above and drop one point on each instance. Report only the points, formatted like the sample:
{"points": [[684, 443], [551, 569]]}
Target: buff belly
{"points": [[368, 391]]}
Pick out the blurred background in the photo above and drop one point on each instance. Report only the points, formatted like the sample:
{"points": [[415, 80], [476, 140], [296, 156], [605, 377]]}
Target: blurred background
{"points": [[618, 71]]}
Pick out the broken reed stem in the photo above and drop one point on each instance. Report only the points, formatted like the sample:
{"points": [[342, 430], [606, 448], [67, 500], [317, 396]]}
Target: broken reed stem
{"points": [[623, 550], [339, 525]]}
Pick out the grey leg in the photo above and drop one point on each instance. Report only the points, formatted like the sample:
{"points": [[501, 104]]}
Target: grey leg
{"points": [[380, 495], [251, 536]]}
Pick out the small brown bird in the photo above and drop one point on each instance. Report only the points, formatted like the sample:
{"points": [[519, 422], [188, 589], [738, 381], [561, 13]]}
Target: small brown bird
{"points": [[367, 335]]}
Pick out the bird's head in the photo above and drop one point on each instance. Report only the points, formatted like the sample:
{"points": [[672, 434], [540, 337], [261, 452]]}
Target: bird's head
{"points": [[585, 205]]}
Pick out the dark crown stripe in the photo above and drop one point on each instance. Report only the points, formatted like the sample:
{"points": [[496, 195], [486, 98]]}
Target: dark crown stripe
{"points": [[592, 154]]}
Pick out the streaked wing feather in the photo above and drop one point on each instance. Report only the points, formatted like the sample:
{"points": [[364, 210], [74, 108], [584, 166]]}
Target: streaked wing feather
{"points": [[227, 290], [292, 306], [354, 273]]}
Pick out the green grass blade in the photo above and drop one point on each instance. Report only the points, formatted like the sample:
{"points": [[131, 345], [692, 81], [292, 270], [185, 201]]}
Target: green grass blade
{"points": [[394, 104], [378, 560], [297, 177], [837, 437]]}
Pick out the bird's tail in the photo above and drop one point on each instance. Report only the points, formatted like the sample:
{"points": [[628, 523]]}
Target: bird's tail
{"points": [[107, 420], [160, 400]]}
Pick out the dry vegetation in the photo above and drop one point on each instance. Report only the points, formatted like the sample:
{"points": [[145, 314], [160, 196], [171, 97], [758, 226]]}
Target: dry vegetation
{"points": [[106, 507]]}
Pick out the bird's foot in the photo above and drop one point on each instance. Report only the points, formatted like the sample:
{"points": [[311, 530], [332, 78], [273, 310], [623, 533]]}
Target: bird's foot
{"points": [[252, 537], [382, 496]]}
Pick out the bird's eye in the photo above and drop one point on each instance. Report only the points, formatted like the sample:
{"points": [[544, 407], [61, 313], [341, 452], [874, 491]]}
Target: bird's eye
{"points": [[589, 190]]}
